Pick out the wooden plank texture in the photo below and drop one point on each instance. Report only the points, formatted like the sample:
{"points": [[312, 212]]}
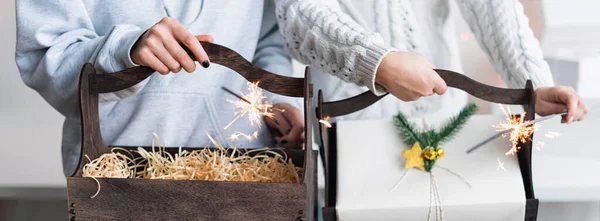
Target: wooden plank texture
{"points": [[143, 199]]}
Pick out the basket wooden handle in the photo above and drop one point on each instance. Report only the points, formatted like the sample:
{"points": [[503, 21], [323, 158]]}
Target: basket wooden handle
{"points": [[91, 84], [453, 79], [278, 84]]}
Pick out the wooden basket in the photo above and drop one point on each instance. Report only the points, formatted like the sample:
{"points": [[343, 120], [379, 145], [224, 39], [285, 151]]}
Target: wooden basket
{"points": [[328, 144], [145, 199]]}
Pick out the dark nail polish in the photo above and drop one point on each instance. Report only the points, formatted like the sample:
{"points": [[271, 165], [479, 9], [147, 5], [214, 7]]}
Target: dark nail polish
{"points": [[288, 131], [284, 142], [205, 64]]}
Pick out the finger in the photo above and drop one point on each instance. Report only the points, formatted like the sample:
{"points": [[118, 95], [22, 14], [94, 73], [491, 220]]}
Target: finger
{"points": [[179, 54], [582, 111], [278, 122], [295, 138], [150, 60], [188, 40], [439, 85], [205, 38], [165, 57], [580, 115], [585, 109], [278, 140], [553, 108], [297, 129], [407, 96], [571, 100]]}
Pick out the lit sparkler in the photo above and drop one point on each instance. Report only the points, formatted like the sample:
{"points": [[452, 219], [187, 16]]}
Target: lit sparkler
{"points": [[253, 105], [518, 132], [516, 129], [325, 121]]}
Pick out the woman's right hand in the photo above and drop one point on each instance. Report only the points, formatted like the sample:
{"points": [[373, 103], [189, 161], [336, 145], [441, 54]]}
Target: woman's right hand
{"points": [[160, 48], [409, 76]]}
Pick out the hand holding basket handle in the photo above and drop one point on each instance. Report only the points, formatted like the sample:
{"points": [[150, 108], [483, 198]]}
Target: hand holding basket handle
{"points": [[409, 76], [163, 48]]}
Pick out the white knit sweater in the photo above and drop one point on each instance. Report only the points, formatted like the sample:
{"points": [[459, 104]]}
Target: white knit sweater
{"points": [[348, 39]]}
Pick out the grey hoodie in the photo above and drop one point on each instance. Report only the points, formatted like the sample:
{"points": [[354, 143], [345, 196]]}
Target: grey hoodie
{"points": [[55, 38]]}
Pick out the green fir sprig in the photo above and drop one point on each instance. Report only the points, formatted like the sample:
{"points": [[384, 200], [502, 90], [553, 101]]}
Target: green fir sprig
{"points": [[455, 124], [407, 130], [431, 138]]}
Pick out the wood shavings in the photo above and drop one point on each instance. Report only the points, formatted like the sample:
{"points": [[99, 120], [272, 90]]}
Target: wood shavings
{"points": [[217, 164], [97, 191], [109, 165]]}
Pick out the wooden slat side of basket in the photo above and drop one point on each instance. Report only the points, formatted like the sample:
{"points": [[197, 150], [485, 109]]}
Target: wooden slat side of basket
{"points": [[143, 199]]}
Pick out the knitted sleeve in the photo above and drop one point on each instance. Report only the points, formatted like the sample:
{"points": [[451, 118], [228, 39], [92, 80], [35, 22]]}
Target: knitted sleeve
{"points": [[502, 30], [327, 39]]}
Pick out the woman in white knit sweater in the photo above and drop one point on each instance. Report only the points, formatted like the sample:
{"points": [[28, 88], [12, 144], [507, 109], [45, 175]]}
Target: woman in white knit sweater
{"points": [[379, 43], [371, 43]]}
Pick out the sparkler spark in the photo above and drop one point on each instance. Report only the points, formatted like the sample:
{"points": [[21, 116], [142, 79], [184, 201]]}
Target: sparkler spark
{"points": [[500, 166], [235, 136], [253, 105], [325, 121], [538, 145], [517, 133], [552, 134]]}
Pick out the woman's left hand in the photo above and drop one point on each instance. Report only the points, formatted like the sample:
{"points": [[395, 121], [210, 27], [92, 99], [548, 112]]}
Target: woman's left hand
{"points": [[553, 100], [290, 124]]}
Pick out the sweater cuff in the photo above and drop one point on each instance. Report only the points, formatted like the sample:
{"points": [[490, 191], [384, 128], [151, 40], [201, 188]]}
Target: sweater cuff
{"points": [[543, 79], [367, 67], [123, 52]]}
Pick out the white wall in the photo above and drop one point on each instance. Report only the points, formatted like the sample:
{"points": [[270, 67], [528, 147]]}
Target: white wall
{"points": [[30, 130], [572, 12]]}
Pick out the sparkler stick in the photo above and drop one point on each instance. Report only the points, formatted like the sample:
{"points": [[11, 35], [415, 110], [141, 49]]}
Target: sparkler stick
{"points": [[499, 134], [237, 95]]}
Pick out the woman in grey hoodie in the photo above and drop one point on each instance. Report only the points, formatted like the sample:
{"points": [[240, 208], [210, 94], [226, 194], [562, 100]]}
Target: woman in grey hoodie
{"points": [[56, 38]]}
